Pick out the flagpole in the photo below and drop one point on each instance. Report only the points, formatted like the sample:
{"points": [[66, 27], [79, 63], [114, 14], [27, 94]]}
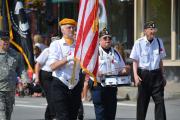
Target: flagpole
{"points": [[73, 73]]}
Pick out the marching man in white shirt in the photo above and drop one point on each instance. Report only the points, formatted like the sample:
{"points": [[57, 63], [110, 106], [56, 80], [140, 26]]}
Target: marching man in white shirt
{"points": [[43, 75], [66, 94], [147, 54], [110, 63]]}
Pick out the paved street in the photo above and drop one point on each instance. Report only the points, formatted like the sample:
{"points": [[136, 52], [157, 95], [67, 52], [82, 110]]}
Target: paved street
{"points": [[30, 108]]}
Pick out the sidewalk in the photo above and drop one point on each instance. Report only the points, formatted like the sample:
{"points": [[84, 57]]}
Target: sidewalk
{"points": [[172, 91]]}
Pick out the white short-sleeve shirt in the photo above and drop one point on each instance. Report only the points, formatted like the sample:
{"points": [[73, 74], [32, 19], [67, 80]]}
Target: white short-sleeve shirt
{"points": [[59, 49], [43, 60], [109, 63], [148, 54]]}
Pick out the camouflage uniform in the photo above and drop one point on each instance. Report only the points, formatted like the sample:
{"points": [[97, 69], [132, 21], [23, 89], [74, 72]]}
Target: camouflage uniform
{"points": [[10, 67]]}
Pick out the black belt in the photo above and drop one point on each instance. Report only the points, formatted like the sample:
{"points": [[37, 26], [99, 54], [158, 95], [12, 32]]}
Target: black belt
{"points": [[144, 70], [46, 71]]}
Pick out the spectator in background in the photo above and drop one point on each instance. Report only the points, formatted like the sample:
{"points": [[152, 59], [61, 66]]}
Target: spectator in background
{"points": [[39, 40], [43, 75], [119, 48], [39, 45], [84, 93]]}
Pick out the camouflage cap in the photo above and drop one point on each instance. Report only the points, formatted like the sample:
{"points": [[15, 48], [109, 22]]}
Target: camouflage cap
{"points": [[149, 24], [104, 32]]}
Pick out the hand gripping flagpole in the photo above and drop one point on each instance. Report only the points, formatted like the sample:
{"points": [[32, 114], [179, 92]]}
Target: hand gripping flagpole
{"points": [[73, 73]]}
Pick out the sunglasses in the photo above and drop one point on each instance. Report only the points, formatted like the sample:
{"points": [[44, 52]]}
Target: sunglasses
{"points": [[107, 38]]}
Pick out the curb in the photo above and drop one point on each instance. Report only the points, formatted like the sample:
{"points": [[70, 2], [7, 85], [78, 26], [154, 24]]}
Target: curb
{"points": [[172, 91]]}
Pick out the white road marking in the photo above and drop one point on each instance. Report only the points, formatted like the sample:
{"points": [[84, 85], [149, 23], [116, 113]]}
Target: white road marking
{"points": [[30, 106], [23, 104], [119, 104], [126, 104]]}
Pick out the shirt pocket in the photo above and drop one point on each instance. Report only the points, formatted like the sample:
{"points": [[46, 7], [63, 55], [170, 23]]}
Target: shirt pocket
{"points": [[144, 57], [116, 64], [102, 65], [115, 67], [156, 54]]}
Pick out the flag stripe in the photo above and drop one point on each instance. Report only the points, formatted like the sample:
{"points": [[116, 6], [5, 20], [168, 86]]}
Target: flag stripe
{"points": [[87, 43], [95, 68], [86, 29], [89, 23], [89, 34], [87, 37], [91, 50], [80, 24], [91, 65]]}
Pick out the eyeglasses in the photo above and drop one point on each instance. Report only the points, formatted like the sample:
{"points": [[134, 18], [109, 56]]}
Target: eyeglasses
{"points": [[107, 38]]}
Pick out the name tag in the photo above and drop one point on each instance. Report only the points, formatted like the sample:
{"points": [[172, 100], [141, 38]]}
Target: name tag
{"points": [[117, 81]]}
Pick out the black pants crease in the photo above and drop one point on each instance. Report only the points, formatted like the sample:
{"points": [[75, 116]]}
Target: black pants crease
{"points": [[151, 86]]}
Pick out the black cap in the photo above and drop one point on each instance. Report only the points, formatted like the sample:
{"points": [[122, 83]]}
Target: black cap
{"points": [[104, 32], [150, 24], [4, 35]]}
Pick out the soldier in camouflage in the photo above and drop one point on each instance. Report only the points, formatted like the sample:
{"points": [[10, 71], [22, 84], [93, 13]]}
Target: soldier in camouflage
{"points": [[10, 67]]}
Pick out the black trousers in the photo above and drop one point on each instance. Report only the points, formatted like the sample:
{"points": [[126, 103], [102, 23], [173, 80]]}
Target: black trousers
{"points": [[105, 102], [46, 82], [66, 101], [152, 85]]}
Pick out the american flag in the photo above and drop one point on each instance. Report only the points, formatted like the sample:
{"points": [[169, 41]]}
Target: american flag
{"points": [[86, 50]]}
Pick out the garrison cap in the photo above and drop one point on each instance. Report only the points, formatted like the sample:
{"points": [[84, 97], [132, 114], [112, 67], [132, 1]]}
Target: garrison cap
{"points": [[67, 21], [150, 24], [4, 35], [104, 32]]}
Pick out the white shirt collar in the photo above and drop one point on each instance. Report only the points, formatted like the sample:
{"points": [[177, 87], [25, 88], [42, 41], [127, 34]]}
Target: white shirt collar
{"points": [[146, 40]]}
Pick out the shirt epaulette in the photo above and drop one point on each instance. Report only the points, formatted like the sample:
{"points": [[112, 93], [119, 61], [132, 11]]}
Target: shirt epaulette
{"points": [[140, 39]]}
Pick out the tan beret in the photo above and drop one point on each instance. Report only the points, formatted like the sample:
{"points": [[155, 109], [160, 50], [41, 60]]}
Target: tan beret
{"points": [[67, 21]]}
